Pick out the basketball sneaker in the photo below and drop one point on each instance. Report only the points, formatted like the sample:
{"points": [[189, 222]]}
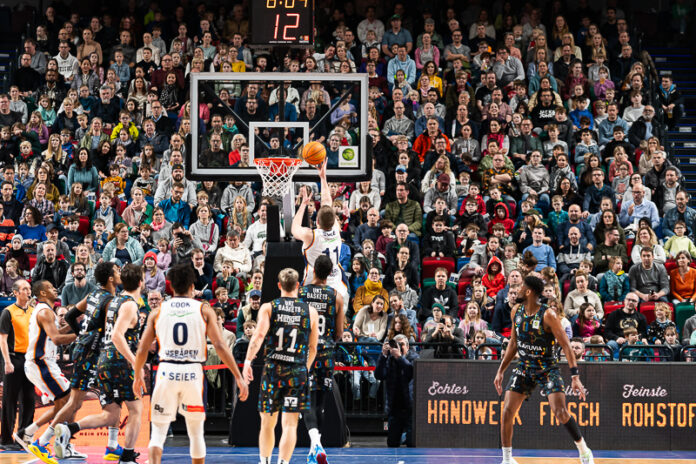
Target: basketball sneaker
{"points": [[131, 459], [23, 438], [113, 454], [511, 461], [317, 455], [60, 445], [42, 453], [587, 458], [72, 453]]}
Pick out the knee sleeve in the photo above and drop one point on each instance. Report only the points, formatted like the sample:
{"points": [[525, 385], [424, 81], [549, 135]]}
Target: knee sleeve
{"points": [[196, 439], [158, 434]]}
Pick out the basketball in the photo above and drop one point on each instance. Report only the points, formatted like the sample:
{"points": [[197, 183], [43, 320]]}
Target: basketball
{"points": [[314, 153]]}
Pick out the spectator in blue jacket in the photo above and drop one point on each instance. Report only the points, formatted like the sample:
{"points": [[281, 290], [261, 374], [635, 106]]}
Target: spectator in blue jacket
{"points": [[175, 209], [405, 63]]}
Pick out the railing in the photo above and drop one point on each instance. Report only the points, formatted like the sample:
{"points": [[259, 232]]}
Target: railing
{"points": [[646, 353], [688, 353]]}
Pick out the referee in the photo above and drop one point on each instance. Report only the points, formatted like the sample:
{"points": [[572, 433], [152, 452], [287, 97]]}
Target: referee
{"points": [[14, 337]]}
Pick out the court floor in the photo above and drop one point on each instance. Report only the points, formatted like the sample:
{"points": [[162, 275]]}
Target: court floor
{"points": [[225, 455]]}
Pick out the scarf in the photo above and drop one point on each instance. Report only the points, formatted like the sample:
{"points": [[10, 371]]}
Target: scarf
{"points": [[156, 226], [373, 288], [615, 283]]}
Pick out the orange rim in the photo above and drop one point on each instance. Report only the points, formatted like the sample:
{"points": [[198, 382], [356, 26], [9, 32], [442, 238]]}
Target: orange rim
{"points": [[277, 161]]}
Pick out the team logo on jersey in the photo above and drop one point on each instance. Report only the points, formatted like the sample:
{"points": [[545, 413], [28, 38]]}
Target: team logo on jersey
{"points": [[328, 383], [159, 409], [290, 402]]}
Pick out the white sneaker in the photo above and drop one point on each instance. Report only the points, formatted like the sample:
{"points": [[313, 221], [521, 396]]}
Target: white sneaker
{"points": [[587, 458], [72, 453], [62, 434], [511, 461]]}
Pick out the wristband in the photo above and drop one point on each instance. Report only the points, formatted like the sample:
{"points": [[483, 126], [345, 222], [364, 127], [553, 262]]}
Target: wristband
{"points": [[247, 362], [574, 371]]}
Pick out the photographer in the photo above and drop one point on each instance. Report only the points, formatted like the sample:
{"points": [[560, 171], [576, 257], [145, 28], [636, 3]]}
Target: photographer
{"points": [[184, 244], [395, 367], [450, 339]]}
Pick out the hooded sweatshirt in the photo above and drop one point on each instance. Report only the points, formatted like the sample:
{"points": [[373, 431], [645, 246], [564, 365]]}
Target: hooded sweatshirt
{"points": [[494, 282], [506, 221], [534, 177]]}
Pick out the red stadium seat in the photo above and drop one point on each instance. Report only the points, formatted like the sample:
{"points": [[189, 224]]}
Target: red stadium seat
{"points": [[32, 261], [168, 288], [462, 285], [611, 306], [430, 264], [629, 247]]}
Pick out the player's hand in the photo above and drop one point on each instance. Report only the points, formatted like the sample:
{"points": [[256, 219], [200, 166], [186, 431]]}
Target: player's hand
{"points": [[322, 169], [248, 373], [139, 384], [306, 198], [9, 368], [243, 388], [498, 382], [577, 386]]}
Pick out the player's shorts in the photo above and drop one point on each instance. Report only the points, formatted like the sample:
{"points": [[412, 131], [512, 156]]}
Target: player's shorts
{"points": [[84, 368], [524, 379], [321, 376], [48, 378], [115, 377], [284, 387], [178, 388]]}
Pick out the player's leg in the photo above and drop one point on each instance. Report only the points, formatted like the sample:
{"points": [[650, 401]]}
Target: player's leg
{"points": [[513, 402], [313, 420], [158, 434], [289, 437], [267, 436], [557, 401], [135, 408], [164, 404], [192, 407], [73, 405]]}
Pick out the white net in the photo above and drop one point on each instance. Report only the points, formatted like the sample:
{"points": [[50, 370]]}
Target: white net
{"points": [[276, 174]]}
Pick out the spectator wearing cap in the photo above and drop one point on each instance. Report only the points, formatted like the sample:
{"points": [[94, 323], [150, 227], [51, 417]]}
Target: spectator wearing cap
{"points": [[441, 189], [79, 288], [52, 236], [154, 276], [235, 252], [16, 251], [406, 211], [397, 35], [49, 267], [249, 312]]}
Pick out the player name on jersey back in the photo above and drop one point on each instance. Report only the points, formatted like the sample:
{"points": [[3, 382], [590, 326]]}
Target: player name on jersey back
{"points": [[181, 331]]}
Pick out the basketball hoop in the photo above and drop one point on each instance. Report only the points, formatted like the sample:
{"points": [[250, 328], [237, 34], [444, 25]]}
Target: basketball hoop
{"points": [[276, 174]]}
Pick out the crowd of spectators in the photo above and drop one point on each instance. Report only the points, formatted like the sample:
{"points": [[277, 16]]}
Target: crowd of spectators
{"points": [[507, 141]]}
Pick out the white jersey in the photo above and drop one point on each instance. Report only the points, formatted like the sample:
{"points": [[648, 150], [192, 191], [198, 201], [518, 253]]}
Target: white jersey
{"points": [[181, 331], [40, 345], [324, 242]]}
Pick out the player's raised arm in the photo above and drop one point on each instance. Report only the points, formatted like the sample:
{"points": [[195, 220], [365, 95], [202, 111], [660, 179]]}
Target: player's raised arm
{"points": [[313, 336], [507, 359], [264, 323], [143, 349], [552, 321], [300, 232], [326, 199], [74, 313]]}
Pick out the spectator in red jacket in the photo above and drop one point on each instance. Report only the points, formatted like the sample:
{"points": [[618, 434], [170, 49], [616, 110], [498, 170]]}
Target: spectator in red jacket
{"points": [[501, 216], [494, 278]]}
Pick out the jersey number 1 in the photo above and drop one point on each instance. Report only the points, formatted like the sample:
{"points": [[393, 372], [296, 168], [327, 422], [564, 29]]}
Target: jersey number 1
{"points": [[329, 253], [293, 336]]}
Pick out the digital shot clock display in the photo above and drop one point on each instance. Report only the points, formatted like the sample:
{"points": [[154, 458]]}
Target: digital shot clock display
{"points": [[282, 22]]}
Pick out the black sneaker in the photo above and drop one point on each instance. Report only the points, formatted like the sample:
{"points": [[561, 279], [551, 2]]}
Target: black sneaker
{"points": [[129, 458]]}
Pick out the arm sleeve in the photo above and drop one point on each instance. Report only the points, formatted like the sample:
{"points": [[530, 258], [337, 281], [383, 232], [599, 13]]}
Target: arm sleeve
{"points": [[71, 318]]}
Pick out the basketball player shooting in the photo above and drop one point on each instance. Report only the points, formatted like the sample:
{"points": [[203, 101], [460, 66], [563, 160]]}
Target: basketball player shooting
{"points": [[536, 330], [325, 240]]}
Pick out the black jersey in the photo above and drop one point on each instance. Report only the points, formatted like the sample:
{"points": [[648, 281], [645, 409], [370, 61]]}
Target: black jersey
{"points": [[535, 346], [132, 334], [288, 337], [93, 323], [323, 299]]}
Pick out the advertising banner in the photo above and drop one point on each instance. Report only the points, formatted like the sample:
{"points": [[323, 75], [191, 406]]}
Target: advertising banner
{"points": [[635, 406]]}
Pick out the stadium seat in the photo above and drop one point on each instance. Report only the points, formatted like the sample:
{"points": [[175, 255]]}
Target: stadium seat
{"points": [[670, 265], [683, 311], [611, 306], [647, 309], [168, 288], [430, 264], [629, 246]]}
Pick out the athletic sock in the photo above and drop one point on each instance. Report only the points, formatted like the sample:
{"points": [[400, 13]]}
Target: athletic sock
{"points": [[46, 437], [582, 446], [113, 438], [31, 429], [507, 455], [73, 427], [314, 437], [282, 461], [264, 460]]}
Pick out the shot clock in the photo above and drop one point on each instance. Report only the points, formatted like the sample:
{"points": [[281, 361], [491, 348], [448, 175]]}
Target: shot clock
{"points": [[282, 22]]}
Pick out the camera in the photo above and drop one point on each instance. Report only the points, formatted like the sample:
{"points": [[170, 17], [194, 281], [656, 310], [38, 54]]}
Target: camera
{"points": [[393, 344]]}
